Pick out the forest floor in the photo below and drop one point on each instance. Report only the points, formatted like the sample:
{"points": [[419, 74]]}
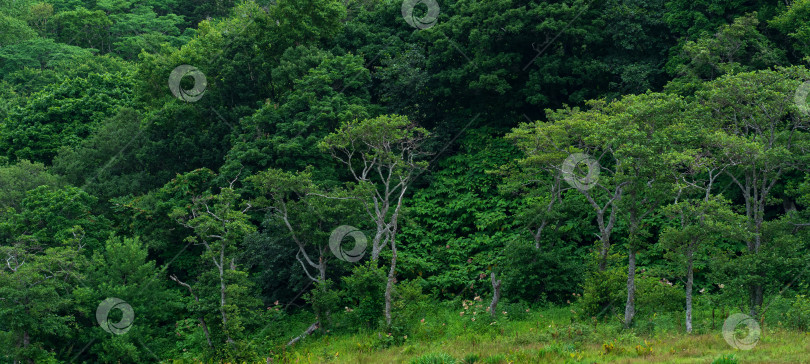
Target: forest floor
{"points": [[551, 336]]}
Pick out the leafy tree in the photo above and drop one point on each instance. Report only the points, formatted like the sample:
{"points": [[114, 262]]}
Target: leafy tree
{"points": [[82, 27], [62, 116], [303, 22], [383, 156], [737, 47], [21, 177], [122, 270], [143, 29], [39, 16], [37, 53], [105, 163], [692, 18], [793, 23], [759, 109], [700, 222], [548, 145], [13, 31], [285, 134], [36, 285], [45, 244], [219, 225]]}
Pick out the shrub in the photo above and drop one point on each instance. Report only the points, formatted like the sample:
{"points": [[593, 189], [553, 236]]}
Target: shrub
{"points": [[606, 293], [364, 289], [434, 358], [409, 306], [726, 359], [535, 275], [798, 315], [471, 358], [324, 301]]}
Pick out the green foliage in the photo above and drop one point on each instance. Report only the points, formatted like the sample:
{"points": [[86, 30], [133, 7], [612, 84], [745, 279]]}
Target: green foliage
{"points": [[793, 23], [62, 116], [49, 217], [104, 163], [737, 47], [81, 27], [364, 291], [13, 31], [550, 274], [37, 53], [143, 29], [604, 293], [286, 134], [21, 177], [410, 305], [324, 300], [122, 270], [798, 314]]}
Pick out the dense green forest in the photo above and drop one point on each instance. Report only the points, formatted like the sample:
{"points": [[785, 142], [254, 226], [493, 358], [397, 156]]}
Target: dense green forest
{"points": [[356, 180]]}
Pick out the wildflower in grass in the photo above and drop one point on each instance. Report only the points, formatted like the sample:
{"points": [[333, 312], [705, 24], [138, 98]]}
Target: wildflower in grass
{"points": [[721, 286], [422, 321]]}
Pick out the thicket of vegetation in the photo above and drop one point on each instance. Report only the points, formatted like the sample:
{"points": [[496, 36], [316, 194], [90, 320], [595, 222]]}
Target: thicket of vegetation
{"points": [[172, 173]]}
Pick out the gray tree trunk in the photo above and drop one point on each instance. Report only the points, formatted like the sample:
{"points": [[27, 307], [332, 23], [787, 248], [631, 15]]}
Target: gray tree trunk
{"points": [[389, 287], [689, 283], [496, 294], [630, 307]]}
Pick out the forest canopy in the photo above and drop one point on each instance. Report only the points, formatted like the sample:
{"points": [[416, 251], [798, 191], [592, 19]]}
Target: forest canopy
{"points": [[229, 181]]}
